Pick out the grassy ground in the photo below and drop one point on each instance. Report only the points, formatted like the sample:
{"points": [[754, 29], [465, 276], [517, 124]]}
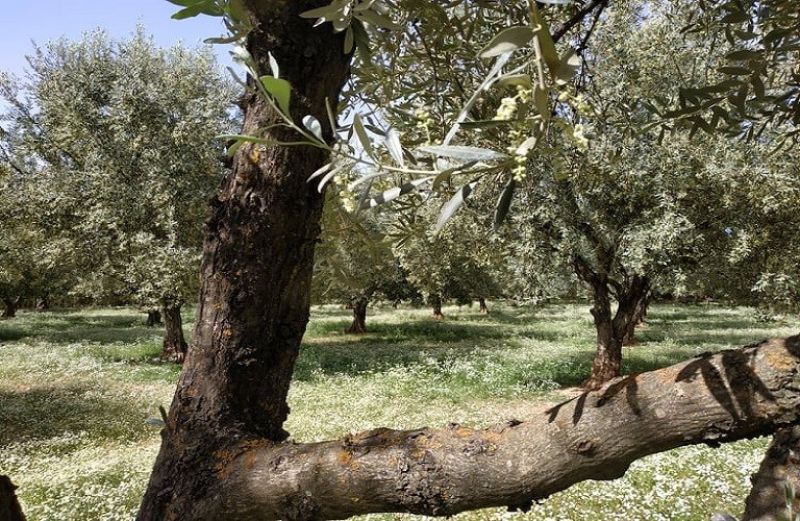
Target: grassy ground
{"points": [[77, 387]]}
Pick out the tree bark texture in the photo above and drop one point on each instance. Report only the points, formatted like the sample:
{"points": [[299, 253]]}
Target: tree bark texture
{"points": [[10, 509], [10, 307], [175, 346], [359, 325], [436, 304], [779, 472], [710, 399], [256, 270], [484, 309]]}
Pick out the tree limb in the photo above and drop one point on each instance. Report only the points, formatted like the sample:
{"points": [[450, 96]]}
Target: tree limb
{"points": [[731, 395]]}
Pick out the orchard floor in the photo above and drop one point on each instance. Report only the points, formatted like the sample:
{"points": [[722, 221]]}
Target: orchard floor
{"points": [[76, 388]]}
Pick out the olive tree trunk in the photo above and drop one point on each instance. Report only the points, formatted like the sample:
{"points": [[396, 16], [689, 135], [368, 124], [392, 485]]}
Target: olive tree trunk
{"points": [[10, 307], [483, 308], [776, 485], [612, 327], [732, 395], [640, 306], [258, 257], [9, 506], [436, 304], [359, 325], [153, 318], [43, 304], [175, 346]]}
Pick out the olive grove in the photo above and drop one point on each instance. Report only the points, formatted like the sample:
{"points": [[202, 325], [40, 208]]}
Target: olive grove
{"points": [[224, 451], [409, 149], [109, 152]]}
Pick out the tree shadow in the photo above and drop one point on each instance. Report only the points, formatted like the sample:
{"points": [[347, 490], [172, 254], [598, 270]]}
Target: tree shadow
{"points": [[46, 412], [732, 382]]}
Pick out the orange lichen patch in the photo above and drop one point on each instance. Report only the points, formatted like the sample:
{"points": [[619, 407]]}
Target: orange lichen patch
{"points": [[779, 359], [348, 459], [492, 436], [463, 432], [223, 467], [344, 457], [668, 375], [250, 459]]}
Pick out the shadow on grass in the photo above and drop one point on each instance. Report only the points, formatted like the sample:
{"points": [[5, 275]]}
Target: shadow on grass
{"points": [[47, 412]]}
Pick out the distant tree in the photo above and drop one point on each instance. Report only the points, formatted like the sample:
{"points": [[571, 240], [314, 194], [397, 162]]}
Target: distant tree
{"points": [[222, 453], [463, 261], [354, 261], [120, 135]]}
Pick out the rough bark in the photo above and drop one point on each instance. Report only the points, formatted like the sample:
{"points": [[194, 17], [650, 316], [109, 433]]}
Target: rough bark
{"points": [[484, 309], [436, 305], [359, 325], [10, 509], [154, 318], [710, 399], [607, 361], [256, 272], [10, 307], [778, 474], [175, 347]]}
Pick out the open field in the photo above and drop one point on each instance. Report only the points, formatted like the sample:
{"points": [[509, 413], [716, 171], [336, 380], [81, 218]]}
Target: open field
{"points": [[77, 386]]}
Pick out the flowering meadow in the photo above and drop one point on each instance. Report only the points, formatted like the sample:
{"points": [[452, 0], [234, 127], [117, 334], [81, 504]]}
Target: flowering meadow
{"points": [[79, 391]]}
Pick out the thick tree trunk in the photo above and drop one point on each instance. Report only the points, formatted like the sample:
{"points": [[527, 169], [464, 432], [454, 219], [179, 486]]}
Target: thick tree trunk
{"points": [[10, 307], [153, 318], [9, 506], [776, 485], [43, 304], [484, 309], [256, 275], [710, 399], [175, 346], [608, 357], [436, 305], [359, 325]]}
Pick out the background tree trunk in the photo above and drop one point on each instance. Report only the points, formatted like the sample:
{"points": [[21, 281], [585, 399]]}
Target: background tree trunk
{"points": [[436, 304], [359, 325], [731, 395], [43, 304], [258, 258], [10, 307], [778, 472], [484, 309], [153, 318], [633, 308], [175, 346], [10, 509], [607, 361]]}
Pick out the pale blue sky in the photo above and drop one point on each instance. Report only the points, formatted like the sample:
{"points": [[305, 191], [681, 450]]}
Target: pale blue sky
{"points": [[24, 21]]}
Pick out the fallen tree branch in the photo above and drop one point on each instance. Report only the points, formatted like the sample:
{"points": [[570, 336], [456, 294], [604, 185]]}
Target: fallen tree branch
{"points": [[710, 399]]}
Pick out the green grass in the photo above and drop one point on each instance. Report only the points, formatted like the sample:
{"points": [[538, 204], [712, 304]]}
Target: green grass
{"points": [[77, 386]]}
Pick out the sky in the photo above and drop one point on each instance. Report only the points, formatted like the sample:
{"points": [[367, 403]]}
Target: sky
{"points": [[23, 22]]}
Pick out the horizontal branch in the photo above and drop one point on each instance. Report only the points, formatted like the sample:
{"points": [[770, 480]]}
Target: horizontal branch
{"points": [[709, 399]]}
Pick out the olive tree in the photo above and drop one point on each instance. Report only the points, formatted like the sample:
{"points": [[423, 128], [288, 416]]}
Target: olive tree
{"points": [[224, 452], [120, 138]]}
